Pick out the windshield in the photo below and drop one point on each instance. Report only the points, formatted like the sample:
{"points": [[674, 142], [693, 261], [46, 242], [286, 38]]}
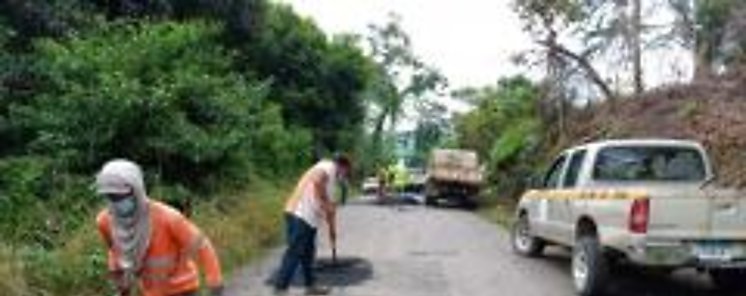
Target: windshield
{"points": [[649, 164]]}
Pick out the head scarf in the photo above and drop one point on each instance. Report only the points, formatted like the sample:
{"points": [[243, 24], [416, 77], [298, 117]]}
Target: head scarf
{"points": [[130, 235]]}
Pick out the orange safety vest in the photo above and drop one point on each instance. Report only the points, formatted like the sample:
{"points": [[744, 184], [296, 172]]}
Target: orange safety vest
{"points": [[169, 267]]}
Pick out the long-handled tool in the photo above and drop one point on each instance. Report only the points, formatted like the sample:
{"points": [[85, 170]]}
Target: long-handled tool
{"points": [[334, 255], [334, 252]]}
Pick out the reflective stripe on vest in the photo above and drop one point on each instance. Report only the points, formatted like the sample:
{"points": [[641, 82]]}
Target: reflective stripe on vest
{"points": [[160, 262], [167, 277], [161, 268]]}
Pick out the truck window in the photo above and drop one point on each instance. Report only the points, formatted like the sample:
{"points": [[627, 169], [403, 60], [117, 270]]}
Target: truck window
{"points": [[573, 169], [553, 176], [649, 164]]}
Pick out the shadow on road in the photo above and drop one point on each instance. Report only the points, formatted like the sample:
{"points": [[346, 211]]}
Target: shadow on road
{"points": [[344, 272], [411, 200], [629, 281], [391, 201]]}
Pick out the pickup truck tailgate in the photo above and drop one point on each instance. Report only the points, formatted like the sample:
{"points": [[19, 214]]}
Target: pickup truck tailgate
{"points": [[679, 213], [728, 214], [692, 213]]}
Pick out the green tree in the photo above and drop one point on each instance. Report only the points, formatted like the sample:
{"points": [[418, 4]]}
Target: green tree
{"points": [[401, 77], [713, 34], [432, 129], [319, 83], [546, 21], [504, 129], [164, 95], [614, 30]]}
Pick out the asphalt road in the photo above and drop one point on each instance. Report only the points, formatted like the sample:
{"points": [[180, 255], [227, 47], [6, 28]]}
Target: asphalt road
{"points": [[413, 250]]}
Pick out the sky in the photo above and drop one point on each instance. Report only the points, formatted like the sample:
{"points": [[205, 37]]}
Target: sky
{"points": [[471, 41]]}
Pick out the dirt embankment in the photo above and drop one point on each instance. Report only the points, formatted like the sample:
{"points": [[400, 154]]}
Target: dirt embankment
{"points": [[711, 111]]}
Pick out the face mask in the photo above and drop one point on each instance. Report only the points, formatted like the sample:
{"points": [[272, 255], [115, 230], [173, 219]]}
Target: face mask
{"points": [[125, 207]]}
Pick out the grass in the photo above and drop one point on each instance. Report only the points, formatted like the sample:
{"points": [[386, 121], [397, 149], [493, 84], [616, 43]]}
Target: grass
{"points": [[11, 272], [500, 211], [241, 225], [244, 225]]}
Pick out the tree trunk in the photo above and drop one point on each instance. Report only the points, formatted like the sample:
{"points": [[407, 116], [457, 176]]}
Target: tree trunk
{"points": [[554, 87], [636, 40], [702, 63], [377, 141]]}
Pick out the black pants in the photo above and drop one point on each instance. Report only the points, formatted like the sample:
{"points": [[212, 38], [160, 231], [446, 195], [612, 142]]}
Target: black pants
{"points": [[301, 250]]}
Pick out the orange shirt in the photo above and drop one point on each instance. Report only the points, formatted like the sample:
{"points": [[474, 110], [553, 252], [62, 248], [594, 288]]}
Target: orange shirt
{"points": [[169, 267]]}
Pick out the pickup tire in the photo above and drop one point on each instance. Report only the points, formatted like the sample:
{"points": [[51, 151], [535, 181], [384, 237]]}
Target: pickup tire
{"points": [[729, 280], [590, 268], [524, 243]]}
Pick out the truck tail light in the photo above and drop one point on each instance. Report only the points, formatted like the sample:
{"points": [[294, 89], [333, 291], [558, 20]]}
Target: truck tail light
{"points": [[639, 216]]}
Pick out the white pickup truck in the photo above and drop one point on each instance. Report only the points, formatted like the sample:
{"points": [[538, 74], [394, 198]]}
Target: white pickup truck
{"points": [[646, 202]]}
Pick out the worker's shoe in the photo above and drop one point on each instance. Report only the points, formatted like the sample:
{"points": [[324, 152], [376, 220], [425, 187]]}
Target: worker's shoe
{"points": [[318, 290]]}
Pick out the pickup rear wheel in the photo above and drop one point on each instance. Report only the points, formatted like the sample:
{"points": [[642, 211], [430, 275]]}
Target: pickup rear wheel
{"points": [[729, 280], [524, 243], [590, 270]]}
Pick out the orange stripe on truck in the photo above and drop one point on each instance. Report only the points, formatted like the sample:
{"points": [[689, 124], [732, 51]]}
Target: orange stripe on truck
{"points": [[586, 194]]}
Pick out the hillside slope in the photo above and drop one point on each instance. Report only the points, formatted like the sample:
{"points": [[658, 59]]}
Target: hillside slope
{"points": [[712, 112]]}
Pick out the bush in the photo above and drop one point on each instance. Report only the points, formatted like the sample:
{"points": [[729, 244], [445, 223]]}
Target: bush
{"points": [[506, 131], [163, 94], [207, 114], [77, 268], [39, 206]]}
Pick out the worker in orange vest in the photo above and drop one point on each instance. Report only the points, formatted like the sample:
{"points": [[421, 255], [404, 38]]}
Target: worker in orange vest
{"points": [[152, 247], [309, 204]]}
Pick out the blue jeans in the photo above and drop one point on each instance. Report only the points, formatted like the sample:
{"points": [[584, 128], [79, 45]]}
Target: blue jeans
{"points": [[301, 250]]}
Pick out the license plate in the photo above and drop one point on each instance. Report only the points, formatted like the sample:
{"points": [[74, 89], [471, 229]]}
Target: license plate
{"points": [[716, 251]]}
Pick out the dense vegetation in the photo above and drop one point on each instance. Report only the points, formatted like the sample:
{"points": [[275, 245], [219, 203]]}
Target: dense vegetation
{"points": [[517, 126], [506, 130], [221, 102], [224, 101]]}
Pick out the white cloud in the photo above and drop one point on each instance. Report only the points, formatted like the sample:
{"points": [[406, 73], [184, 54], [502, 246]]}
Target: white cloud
{"points": [[470, 41]]}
